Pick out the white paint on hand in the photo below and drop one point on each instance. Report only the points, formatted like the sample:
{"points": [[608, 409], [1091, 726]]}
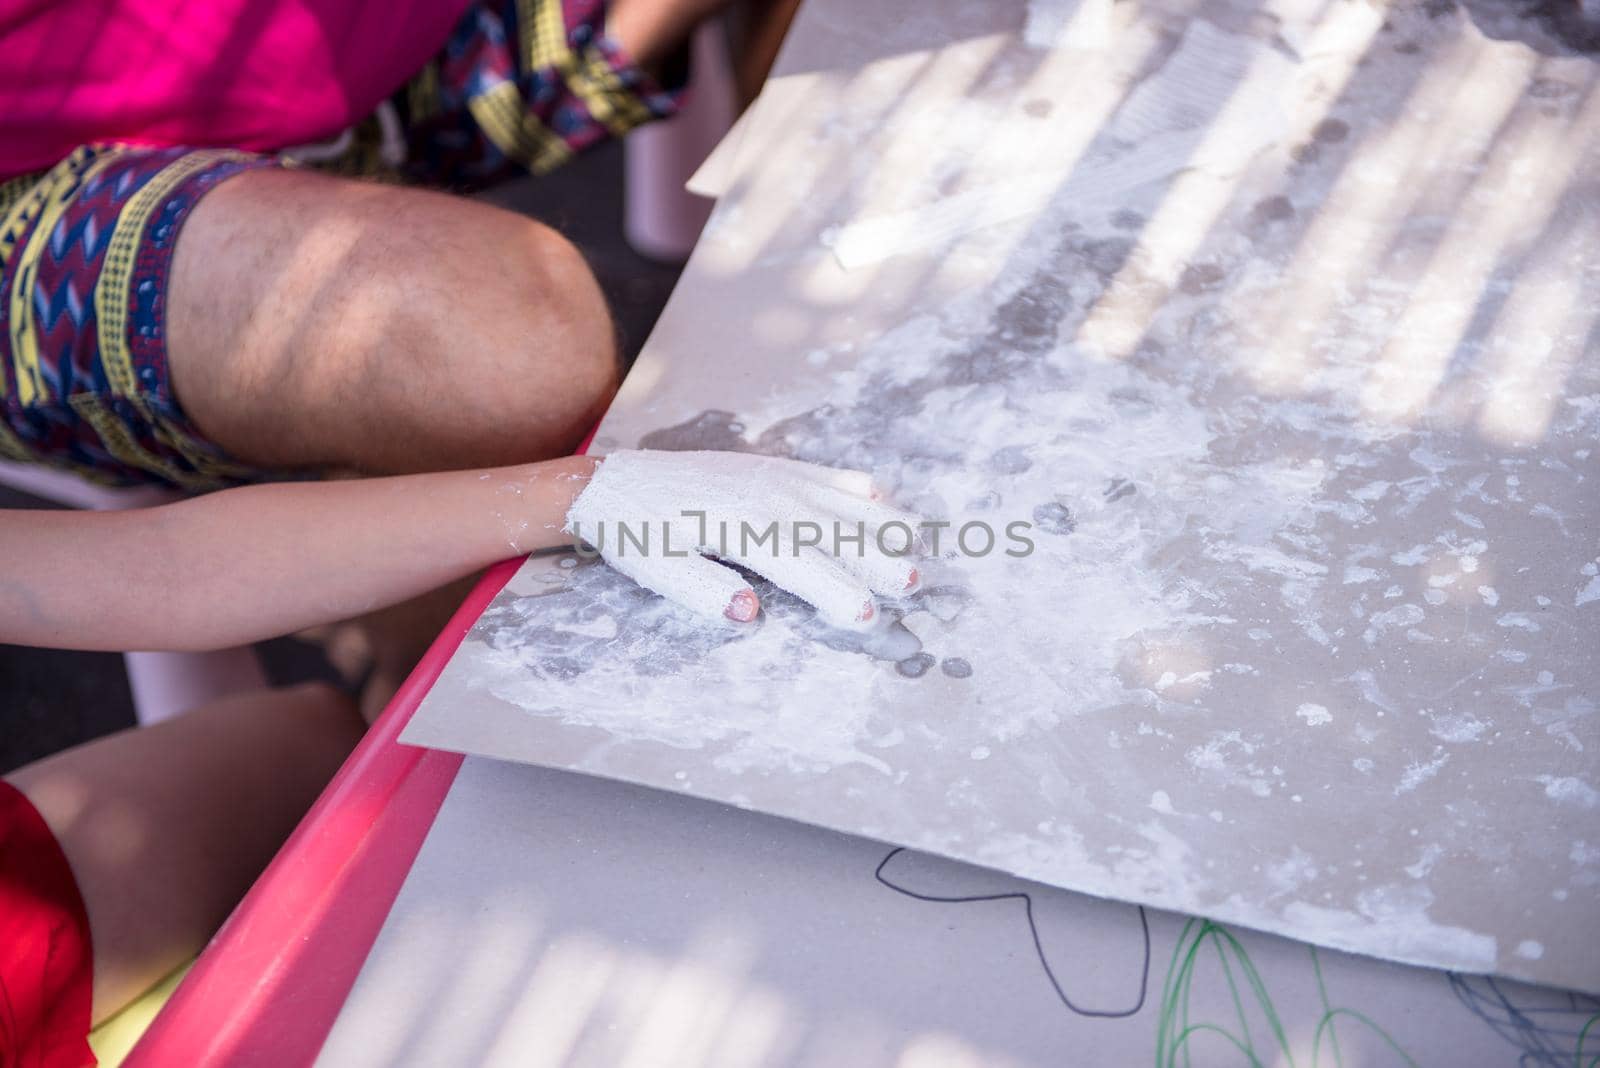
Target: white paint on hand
{"points": [[655, 516]]}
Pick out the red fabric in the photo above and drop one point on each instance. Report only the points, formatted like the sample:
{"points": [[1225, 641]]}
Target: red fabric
{"points": [[46, 959], [252, 74]]}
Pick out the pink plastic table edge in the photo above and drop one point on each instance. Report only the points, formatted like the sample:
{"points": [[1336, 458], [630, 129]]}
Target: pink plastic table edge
{"points": [[270, 984]]}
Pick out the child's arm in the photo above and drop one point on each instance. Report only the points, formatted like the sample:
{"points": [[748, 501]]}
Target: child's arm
{"points": [[259, 561]]}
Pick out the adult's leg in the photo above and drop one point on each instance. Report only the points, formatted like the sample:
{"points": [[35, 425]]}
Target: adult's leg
{"points": [[316, 321], [651, 29], [166, 826], [759, 27]]}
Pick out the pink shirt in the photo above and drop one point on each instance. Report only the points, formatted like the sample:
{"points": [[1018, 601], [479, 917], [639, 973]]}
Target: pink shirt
{"points": [[252, 74]]}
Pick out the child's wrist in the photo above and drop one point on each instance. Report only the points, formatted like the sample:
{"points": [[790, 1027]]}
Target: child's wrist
{"points": [[571, 478], [575, 471]]}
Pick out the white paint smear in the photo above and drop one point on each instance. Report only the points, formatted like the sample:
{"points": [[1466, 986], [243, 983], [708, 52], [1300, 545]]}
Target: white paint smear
{"points": [[1569, 790], [869, 240], [1457, 728], [1314, 715], [1166, 125], [1405, 615], [1046, 23], [1418, 773], [1399, 916]]}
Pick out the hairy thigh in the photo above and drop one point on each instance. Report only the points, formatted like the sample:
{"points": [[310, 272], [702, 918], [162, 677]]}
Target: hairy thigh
{"points": [[317, 321]]}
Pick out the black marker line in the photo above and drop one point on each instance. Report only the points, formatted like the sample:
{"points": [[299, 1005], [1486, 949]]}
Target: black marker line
{"points": [[1038, 946], [1542, 1043]]}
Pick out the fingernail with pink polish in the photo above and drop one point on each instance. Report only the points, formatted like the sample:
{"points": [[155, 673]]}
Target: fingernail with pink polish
{"points": [[743, 607]]}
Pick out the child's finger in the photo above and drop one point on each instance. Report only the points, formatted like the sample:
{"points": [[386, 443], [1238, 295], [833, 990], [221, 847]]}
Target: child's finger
{"points": [[851, 510], [844, 479], [816, 578], [883, 573], [701, 585]]}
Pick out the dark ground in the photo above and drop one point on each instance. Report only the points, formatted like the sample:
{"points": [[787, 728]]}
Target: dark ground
{"points": [[50, 700]]}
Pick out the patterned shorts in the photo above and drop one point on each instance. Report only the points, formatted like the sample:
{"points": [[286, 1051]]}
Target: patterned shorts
{"points": [[86, 247]]}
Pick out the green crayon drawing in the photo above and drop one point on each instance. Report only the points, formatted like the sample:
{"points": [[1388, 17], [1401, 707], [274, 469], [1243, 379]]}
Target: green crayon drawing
{"points": [[1591, 1030], [1589, 1034], [1178, 1028]]}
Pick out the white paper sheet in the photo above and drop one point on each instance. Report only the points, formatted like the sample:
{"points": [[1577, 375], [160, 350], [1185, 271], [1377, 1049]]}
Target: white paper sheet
{"points": [[1304, 435], [557, 919]]}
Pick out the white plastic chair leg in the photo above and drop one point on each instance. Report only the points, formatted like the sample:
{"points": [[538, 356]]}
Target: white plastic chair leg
{"points": [[167, 684], [62, 487]]}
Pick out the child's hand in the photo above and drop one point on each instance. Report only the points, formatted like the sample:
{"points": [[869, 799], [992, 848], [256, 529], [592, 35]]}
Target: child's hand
{"points": [[814, 531]]}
